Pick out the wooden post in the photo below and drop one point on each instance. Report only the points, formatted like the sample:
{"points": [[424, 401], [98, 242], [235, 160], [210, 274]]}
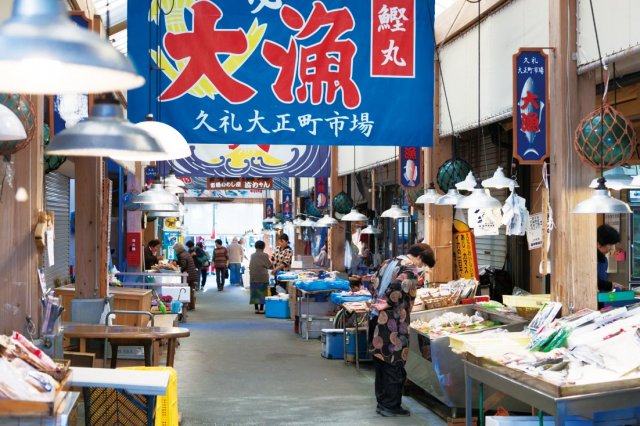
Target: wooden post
{"points": [[88, 217], [105, 232], [337, 232], [573, 242]]}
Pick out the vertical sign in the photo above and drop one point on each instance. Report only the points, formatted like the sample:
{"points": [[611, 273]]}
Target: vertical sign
{"points": [[286, 204], [530, 106], [393, 38], [464, 255], [134, 248], [410, 167], [268, 207], [149, 176], [322, 193]]}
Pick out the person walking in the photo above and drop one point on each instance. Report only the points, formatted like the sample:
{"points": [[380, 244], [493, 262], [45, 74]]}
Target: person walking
{"points": [[221, 263], [186, 264], [259, 266], [394, 290], [201, 260], [236, 253]]}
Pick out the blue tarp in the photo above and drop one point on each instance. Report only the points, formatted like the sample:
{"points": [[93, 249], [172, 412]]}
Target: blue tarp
{"points": [[319, 285], [339, 299]]}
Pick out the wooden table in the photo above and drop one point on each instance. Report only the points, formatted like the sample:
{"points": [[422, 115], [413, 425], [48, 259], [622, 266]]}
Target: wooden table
{"points": [[120, 334]]}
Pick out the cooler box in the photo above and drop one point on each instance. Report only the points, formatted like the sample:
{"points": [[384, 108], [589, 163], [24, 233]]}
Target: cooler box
{"points": [[274, 307], [332, 343], [363, 353]]}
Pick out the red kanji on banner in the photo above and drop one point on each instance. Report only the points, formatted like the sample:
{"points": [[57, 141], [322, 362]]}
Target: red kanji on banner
{"points": [[393, 38], [410, 153], [530, 122], [202, 46], [323, 68]]}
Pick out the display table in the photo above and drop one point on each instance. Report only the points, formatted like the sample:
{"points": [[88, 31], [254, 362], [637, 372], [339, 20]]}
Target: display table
{"points": [[124, 299], [134, 390], [559, 406], [306, 320], [146, 336]]}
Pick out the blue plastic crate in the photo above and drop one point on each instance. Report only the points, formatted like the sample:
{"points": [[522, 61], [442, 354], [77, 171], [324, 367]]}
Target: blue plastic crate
{"points": [[276, 308], [332, 343], [363, 353]]}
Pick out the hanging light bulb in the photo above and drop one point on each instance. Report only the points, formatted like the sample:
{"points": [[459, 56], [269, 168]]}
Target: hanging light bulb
{"points": [[451, 198], [395, 212], [11, 128], [173, 144], [499, 180], [354, 216], [371, 230], [601, 201], [468, 183], [106, 134], [156, 194], [479, 199], [44, 52], [429, 197], [326, 220]]}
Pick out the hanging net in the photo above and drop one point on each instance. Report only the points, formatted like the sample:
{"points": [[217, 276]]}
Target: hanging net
{"points": [[604, 138], [342, 203], [21, 107], [451, 172]]}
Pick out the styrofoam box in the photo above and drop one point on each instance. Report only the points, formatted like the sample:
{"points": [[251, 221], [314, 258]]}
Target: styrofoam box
{"points": [[532, 421], [316, 324], [332, 343], [316, 308]]}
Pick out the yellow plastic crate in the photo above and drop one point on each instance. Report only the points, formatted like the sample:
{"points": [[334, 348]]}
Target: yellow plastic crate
{"points": [[530, 301], [166, 406]]}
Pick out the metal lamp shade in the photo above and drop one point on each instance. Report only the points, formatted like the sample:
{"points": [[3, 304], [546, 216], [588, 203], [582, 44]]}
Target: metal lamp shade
{"points": [[479, 199], [271, 219], [602, 202], [173, 144], [44, 52], [395, 212], [163, 214], [308, 222], [429, 197], [326, 220], [499, 180], [172, 180], [635, 182], [106, 134], [467, 184], [298, 221], [11, 128], [174, 189], [174, 209], [156, 194], [354, 216], [370, 230], [451, 198]]}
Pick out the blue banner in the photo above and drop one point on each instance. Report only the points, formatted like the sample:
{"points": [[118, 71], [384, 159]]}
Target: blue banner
{"points": [[300, 72], [287, 204], [410, 167], [530, 106]]}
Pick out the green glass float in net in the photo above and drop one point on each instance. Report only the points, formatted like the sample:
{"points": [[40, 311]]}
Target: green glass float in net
{"points": [[51, 162], [342, 203], [310, 208], [22, 108], [451, 172], [414, 193], [605, 138]]}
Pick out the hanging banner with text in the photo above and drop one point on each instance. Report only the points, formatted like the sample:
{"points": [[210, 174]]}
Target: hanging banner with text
{"points": [[324, 72], [268, 207], [287, 204], [530, 106], [410, 167], [239, 183], [321, 193], [464, 255]]}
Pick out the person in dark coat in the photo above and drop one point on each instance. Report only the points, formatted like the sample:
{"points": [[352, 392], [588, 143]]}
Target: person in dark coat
{"points": [[201, 260], [393, 292], [259, 266], [151, 256], [186, 264], [608, 237]]}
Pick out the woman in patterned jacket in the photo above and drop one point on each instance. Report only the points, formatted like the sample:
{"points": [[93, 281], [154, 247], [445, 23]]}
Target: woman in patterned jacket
{"points": [[281, 257], [393, 290]]}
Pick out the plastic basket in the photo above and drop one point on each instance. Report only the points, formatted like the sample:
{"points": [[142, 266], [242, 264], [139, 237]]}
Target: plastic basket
{"points": [[166, 406]]}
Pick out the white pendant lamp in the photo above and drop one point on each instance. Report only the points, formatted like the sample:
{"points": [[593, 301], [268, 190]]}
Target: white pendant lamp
{"points": [[173, 144], [395, 212], [44, 52], [308, 222], [616, 179], [354, 216], [161, 207], [271, 219], [371, 230], [172, 180], [326, 220], [11, 128], [174, 189], [298, 221], [106, 134], [635, 182], [479, 199], [429, 197], [451, 198], [499, 180], [602, 202], [156, 194], [278, 226], [467, 184], [163, 214]]}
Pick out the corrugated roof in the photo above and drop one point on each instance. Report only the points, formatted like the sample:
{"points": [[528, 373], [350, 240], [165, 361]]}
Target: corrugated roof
{"points": [[117, 19]]}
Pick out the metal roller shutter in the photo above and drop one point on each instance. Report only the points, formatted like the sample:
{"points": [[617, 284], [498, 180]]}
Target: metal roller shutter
{"points": [[57, 200]]}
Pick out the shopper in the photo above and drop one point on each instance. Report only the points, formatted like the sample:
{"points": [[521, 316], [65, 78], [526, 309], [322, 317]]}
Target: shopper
{"points": [[221, 263], [236, 253], [259, 266], [322, 260], [186, 264], [608, 237], [201, 260], [282, 256], [151, 256], [393, 290]]}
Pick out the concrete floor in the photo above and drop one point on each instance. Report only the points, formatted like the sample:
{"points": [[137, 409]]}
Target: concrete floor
{"points": [[239, 368]]}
